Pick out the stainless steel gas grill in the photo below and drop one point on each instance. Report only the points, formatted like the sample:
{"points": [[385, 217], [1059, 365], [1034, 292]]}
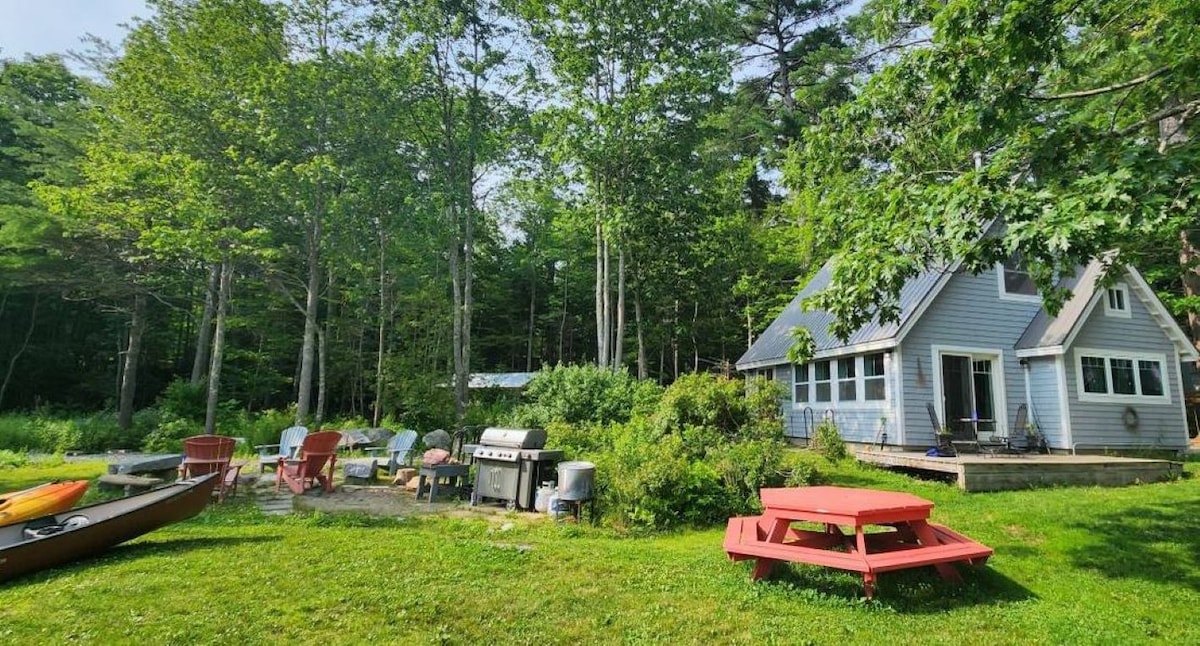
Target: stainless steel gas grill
{"points": [[510, 464]]}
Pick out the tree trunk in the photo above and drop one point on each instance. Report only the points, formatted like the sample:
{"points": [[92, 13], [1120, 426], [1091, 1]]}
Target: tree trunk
{"points": [[460, 375], [384, 316], [12, 361], [532, 322], [322, 366], [137, 326], [204, 331], [311, 303], [643, 370], [618, 361], [468, 299], [1171, 132], [601, 350], [218, 346]]}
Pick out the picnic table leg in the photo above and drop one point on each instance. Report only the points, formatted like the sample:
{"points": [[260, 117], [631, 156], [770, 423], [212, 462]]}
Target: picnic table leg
{"points": [[779, 528], [926, 536], [868, 585]]}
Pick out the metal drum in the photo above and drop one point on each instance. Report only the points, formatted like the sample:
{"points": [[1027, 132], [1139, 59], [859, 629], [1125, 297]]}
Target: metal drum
{"points": [[576, 481]]}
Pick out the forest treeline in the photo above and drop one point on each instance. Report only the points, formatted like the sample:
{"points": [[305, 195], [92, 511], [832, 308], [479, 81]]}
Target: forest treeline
{"points": [[348, 206]]}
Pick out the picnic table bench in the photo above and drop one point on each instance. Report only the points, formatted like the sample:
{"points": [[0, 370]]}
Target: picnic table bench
{"points": [[908, 539]]}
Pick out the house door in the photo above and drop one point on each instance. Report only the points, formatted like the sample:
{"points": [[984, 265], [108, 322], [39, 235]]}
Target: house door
{"points": [[968, 393]]}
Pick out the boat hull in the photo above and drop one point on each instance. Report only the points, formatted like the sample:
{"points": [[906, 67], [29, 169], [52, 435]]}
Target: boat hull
{"points": [[60, 538], [50, 498]]}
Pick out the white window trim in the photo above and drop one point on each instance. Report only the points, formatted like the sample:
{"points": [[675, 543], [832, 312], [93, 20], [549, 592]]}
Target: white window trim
{"points": [[999, 378], [1006, 296], [1109, 398], [807, 373], [1125, 313], [835, 402]]}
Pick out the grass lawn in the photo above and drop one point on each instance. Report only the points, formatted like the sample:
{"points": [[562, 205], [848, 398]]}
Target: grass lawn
{"points": [[1072, 565]]}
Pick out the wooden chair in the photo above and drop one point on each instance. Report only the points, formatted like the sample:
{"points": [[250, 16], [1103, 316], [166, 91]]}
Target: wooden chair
{"points": [[204, 454], [398, 451], [289, 442], [318, 453]]}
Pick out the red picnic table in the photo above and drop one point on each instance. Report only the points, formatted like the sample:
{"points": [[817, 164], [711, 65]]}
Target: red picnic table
{"points": [[909, 541]]}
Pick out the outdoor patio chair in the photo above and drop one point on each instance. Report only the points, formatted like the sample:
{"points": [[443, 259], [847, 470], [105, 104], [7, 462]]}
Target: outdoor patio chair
{"points": [[398, 451], [289, 442], [313, 465], [204, 454]]}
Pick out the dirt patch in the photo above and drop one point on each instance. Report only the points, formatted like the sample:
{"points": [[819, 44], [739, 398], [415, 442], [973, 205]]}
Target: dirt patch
{"points": [[397, 502]]}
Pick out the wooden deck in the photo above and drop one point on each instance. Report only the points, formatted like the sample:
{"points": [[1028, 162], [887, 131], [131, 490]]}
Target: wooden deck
{"points": [[1007, 472]]}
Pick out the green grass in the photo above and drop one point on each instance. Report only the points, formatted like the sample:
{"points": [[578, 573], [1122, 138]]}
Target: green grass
{"points": [[1072, 565]]}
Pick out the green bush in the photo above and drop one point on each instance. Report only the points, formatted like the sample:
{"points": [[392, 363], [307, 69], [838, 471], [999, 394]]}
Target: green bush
{"points": [[653, 485], [582, 394], [18, 433], [183, 400], [11, 459], [168, 437], [58, 435], [829, 442]]}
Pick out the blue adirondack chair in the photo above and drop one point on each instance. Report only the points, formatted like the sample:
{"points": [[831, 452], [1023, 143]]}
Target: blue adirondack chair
{"points": [[397, 452], [289, 442]]}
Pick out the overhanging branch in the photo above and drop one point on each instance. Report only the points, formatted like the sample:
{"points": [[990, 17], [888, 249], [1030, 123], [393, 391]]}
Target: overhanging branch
{"points": [[1083, 94]]}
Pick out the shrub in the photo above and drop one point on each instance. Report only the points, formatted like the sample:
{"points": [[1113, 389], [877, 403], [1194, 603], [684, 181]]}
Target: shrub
{"points": [[580, 394], [168, 437], [183, 400], [829, 442], [11, 459], [746, 467], [18, 433], [58, 435], [654, 486]]}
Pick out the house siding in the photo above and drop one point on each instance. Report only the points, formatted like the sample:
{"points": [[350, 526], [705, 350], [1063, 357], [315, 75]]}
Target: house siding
{"points": [[967, 313], [857, 421], [1045, 408], [1097, 425]]}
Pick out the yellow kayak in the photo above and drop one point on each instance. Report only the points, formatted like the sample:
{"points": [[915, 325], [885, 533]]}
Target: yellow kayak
{"points": [[50, 498]]}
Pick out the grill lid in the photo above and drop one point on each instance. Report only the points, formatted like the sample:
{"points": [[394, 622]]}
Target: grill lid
{"points": [[514, 438]]}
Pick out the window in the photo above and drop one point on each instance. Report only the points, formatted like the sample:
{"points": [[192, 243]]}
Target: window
{"points": [[768, 374], [800, 388], [1150, 378], [822, 382], [1116, 301], [1015, 280], [1094, 379], [874, 388], [1118, 377], [847, 385]]}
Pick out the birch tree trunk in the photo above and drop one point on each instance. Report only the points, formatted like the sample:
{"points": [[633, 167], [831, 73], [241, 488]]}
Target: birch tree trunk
{"points": [[204, 333], [218, 346], [384, 318], [643, 370], [601, 349], [137, 326], [460, 376], [618, 359], [311, 302]]}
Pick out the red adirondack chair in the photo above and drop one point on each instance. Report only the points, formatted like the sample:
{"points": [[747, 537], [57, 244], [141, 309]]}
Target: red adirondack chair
{"points": [[204, 454], [317, 453]]}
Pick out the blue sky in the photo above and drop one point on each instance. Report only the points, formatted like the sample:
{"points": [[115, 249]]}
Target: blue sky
{"points": [[55, 26]]}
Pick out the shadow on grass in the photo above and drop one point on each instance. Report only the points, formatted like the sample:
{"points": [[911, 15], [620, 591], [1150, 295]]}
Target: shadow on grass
{"points": [[137, 550], [1157, 544], [913, 591]]}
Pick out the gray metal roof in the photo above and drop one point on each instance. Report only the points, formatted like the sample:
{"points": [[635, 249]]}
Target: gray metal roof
{"points": [[500, 379], [771, 347], [1046, 331]]}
